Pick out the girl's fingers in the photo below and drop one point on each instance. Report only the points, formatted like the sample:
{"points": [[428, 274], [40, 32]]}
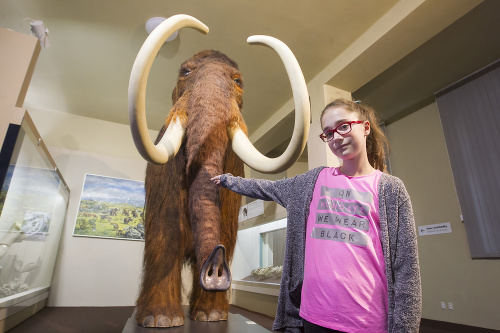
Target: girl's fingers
{"points": [[216, 180]]}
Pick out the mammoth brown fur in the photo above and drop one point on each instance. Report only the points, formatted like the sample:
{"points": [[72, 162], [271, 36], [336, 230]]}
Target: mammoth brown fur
{"points": [[186, 216]]}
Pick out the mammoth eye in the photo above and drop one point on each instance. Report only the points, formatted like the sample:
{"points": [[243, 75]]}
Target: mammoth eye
{"points": [[184, 72], [238, 81]]}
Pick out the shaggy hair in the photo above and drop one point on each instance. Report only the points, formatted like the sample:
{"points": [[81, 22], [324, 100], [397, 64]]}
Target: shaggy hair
{"points": [[186, 215]]}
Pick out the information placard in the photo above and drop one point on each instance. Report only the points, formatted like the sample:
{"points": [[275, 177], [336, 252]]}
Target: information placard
{"points": [[434, 229], [253, 209]]}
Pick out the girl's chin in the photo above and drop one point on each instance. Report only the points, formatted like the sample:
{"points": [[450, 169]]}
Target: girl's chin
{"points": [[343, 155], [342, 152]]}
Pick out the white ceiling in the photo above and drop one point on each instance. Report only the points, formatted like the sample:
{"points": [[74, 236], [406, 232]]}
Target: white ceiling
{"points": [[94, 43]]}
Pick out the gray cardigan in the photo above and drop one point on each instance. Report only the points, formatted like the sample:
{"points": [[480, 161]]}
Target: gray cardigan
{"points": [[398, 238]]}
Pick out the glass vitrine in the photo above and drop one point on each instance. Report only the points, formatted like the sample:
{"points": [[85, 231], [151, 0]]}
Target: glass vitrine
{"points": [[33, 203], [259, 253]]}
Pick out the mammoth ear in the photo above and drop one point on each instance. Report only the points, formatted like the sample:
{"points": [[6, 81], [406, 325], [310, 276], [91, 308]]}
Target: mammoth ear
{"points": [[171, 141], [175, 94]]}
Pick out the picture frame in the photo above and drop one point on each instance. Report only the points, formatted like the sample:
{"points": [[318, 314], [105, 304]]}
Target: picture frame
{"points": [[111, 208]]}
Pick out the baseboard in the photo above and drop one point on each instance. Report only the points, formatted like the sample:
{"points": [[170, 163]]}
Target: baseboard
{"points": [[452, 327]]}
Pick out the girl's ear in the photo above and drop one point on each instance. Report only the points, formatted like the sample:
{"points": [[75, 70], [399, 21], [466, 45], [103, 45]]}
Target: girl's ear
{"points": [[367, 128]]}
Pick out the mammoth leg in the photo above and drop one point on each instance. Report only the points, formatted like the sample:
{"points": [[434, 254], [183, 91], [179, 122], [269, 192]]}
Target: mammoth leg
{"points": [[159, 302], [167, 233]]}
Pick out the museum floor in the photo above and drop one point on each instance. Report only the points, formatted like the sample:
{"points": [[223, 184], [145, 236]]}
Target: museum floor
{"points": [[113, 319]]}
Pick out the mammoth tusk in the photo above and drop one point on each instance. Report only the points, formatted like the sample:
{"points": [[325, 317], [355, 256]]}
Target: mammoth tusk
{"points": [[240, 142], [171, 141]]}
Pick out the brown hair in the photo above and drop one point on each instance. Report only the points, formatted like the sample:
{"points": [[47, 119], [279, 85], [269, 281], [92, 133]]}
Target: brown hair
{"points": [[377, 145]]}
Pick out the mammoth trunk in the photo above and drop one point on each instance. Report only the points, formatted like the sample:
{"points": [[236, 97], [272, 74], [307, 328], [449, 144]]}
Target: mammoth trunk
{"points": [[205, 220], [206, 146]]}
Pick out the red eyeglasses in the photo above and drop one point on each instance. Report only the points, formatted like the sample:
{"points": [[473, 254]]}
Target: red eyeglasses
{"points": [[342, 129]]}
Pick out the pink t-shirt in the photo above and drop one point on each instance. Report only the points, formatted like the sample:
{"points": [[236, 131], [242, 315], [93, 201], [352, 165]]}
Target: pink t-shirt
{"points": [[345, 286]]}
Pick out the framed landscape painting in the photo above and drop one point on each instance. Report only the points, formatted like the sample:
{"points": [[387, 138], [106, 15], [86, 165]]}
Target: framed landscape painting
{"points": [[111, 208]]}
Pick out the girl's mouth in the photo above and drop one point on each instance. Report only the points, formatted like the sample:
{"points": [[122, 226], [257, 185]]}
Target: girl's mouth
{"points": [[341, 147]]}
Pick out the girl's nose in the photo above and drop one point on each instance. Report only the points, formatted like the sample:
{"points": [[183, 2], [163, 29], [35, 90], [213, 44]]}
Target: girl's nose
{"points": [[337, 136]]}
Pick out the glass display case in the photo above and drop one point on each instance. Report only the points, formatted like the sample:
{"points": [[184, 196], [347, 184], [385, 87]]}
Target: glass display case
{"points": [[258, 257], [33, 203]]}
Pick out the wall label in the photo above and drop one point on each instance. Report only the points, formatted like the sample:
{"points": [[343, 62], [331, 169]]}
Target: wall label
{"points": [[253, 209], [434, 229]]}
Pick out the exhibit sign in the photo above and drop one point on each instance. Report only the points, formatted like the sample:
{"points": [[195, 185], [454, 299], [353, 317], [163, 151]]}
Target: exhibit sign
{"points": [[111, 208], [251, 210], [434, 229]]}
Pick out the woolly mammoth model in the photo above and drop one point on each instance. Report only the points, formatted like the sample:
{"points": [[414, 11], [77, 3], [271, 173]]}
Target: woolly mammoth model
{"points": [[188, 220]]}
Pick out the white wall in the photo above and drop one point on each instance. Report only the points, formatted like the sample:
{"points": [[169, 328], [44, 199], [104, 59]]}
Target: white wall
{"points": [[92, 271], [419, 157], [85, 134]]}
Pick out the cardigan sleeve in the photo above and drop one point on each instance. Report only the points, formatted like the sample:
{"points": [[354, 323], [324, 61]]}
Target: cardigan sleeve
{"points": [[258, 188], [406, 270]]}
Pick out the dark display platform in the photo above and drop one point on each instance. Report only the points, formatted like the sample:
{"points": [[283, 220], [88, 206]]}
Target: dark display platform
{"points": [[235, 323]]}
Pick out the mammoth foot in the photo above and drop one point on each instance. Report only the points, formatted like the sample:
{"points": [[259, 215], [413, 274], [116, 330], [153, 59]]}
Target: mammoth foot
{"points": [[162, 321], [214, 315]]}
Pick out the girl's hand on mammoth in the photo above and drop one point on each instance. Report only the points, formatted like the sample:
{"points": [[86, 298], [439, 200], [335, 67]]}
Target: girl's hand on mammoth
{"points": [[216, 180]]}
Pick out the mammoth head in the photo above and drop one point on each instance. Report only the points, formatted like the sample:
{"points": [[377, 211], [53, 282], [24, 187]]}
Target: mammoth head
{"points": [[173, 136], [212, 63]]}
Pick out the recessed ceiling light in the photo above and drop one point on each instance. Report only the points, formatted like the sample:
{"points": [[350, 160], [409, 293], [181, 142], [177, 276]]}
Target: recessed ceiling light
{"points": [[153, 22]]}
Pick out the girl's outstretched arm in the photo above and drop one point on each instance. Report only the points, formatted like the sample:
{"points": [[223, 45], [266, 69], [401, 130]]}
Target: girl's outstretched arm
{"points": [[268, 190]]}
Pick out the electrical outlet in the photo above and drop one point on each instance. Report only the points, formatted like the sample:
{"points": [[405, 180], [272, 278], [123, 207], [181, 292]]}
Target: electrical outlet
{"points": [[443, 305], [450, 305]]}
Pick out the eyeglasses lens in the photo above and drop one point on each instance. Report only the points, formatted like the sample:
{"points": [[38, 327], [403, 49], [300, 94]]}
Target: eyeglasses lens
{"points": [[341, 129], [344, 128]]}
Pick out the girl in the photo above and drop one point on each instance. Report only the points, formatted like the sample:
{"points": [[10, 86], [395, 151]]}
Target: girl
{"points": [[351, 261]]}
